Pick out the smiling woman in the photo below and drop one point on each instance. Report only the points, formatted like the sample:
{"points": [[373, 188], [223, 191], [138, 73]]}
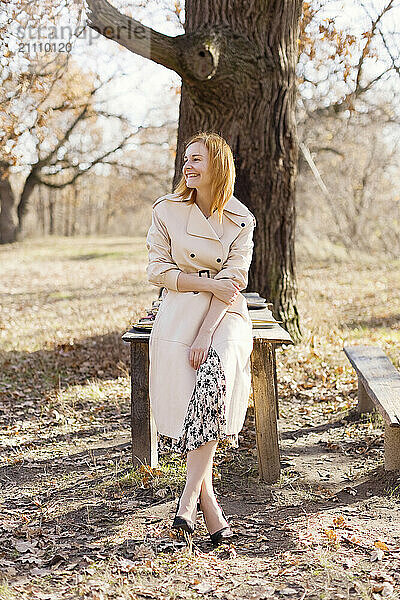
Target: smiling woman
{"points": [[200, 246]]}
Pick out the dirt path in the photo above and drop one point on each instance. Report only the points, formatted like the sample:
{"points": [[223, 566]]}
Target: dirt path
{"points": [[78, 522]]}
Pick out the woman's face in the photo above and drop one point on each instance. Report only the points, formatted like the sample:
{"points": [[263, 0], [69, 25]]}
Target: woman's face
{"points": [[196, 167]]}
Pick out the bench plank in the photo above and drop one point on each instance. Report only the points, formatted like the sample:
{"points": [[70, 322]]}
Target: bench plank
{"points": [[380, 379]]}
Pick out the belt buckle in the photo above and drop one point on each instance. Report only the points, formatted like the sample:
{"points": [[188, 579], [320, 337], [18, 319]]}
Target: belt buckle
{"points": [[204, 271]]}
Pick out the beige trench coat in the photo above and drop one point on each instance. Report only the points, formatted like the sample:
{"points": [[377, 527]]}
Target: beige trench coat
{"points": [[181, 238]]}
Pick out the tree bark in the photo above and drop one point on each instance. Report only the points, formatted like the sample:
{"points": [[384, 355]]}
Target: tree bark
{"points": [[237, 60], [8, 223], [67, 212], [22, 207], [10, 226], [75, 210], [51, 214], [41, 210]]}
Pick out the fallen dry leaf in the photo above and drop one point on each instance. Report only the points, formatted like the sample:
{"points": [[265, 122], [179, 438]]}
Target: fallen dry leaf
{"points": [[376, 555], [381, 545], [203, 587], [385, 589], [288, 591], [25, 546], [338, 521]]}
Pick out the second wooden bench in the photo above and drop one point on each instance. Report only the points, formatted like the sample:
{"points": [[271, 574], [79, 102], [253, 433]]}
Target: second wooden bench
{"points": [[379, 388]]}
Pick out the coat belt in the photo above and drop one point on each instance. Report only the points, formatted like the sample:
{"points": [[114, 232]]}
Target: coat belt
{"points": [[203, 273]]}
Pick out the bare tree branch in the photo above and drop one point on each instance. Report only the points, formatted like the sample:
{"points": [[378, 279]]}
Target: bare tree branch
{"points": [[142, 40], [359, 90], [42, 162], [325, 192], [78, 174]]}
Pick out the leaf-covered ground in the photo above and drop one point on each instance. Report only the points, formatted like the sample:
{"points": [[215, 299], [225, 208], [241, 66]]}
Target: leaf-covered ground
{"points": [[78, 522]]}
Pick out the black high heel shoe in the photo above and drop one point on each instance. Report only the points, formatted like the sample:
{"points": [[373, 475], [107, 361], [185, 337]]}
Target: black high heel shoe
{"points": [[182, 523], [218, 537], [221, 535]]}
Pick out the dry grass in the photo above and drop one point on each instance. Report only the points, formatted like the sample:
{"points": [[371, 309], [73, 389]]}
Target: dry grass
{"points": [[80, 523]]}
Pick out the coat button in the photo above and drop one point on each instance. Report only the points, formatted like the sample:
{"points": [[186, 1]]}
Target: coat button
{"points": [[218, 260], [243, 224], [192, 255]]}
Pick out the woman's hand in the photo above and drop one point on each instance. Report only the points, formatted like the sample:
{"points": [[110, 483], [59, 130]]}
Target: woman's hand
{"points": [[199, 349], [225, 290]]}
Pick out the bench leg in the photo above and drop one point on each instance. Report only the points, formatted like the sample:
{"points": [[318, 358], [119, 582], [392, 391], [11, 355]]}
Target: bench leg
{"points": [[144, 432], [275, 381], [365, 405], [265, 402], [392, 448]]}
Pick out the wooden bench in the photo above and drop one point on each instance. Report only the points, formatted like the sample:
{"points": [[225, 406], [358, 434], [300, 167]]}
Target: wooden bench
{"points": [[265, 394], [379, 388]]}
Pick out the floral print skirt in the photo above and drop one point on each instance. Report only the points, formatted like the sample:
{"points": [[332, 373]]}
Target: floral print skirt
{"points": [[205, 418]]}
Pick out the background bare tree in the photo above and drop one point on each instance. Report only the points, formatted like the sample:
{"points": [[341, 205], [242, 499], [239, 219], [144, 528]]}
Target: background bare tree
{"points": [[56, 127], [62, 124], [348, 119], [115, 200], [352, 201]]}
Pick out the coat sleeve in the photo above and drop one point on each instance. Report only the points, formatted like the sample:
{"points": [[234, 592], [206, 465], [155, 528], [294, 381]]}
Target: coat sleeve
{"points": [[161, 269], [237, 265]]}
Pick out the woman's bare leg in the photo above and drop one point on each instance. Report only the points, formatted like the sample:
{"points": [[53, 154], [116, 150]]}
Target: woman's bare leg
{"points": [[199, 477], [212, 512], [198, 463]]}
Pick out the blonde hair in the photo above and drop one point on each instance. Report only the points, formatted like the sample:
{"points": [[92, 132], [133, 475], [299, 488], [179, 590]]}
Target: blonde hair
{"points": [[223, 172]]}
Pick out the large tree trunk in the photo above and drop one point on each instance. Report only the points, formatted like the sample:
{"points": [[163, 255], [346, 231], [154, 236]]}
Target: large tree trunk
{"points": [[237, 60], [8, 223], [41, 211], [75, 210], [10, 226], [29, 186], [51, 205], [250, 101]]}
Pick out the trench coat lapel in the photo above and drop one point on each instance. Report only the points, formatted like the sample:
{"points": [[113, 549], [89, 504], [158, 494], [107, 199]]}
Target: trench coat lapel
{"points": [[211, 228], [200, 226], [235, 211]]}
